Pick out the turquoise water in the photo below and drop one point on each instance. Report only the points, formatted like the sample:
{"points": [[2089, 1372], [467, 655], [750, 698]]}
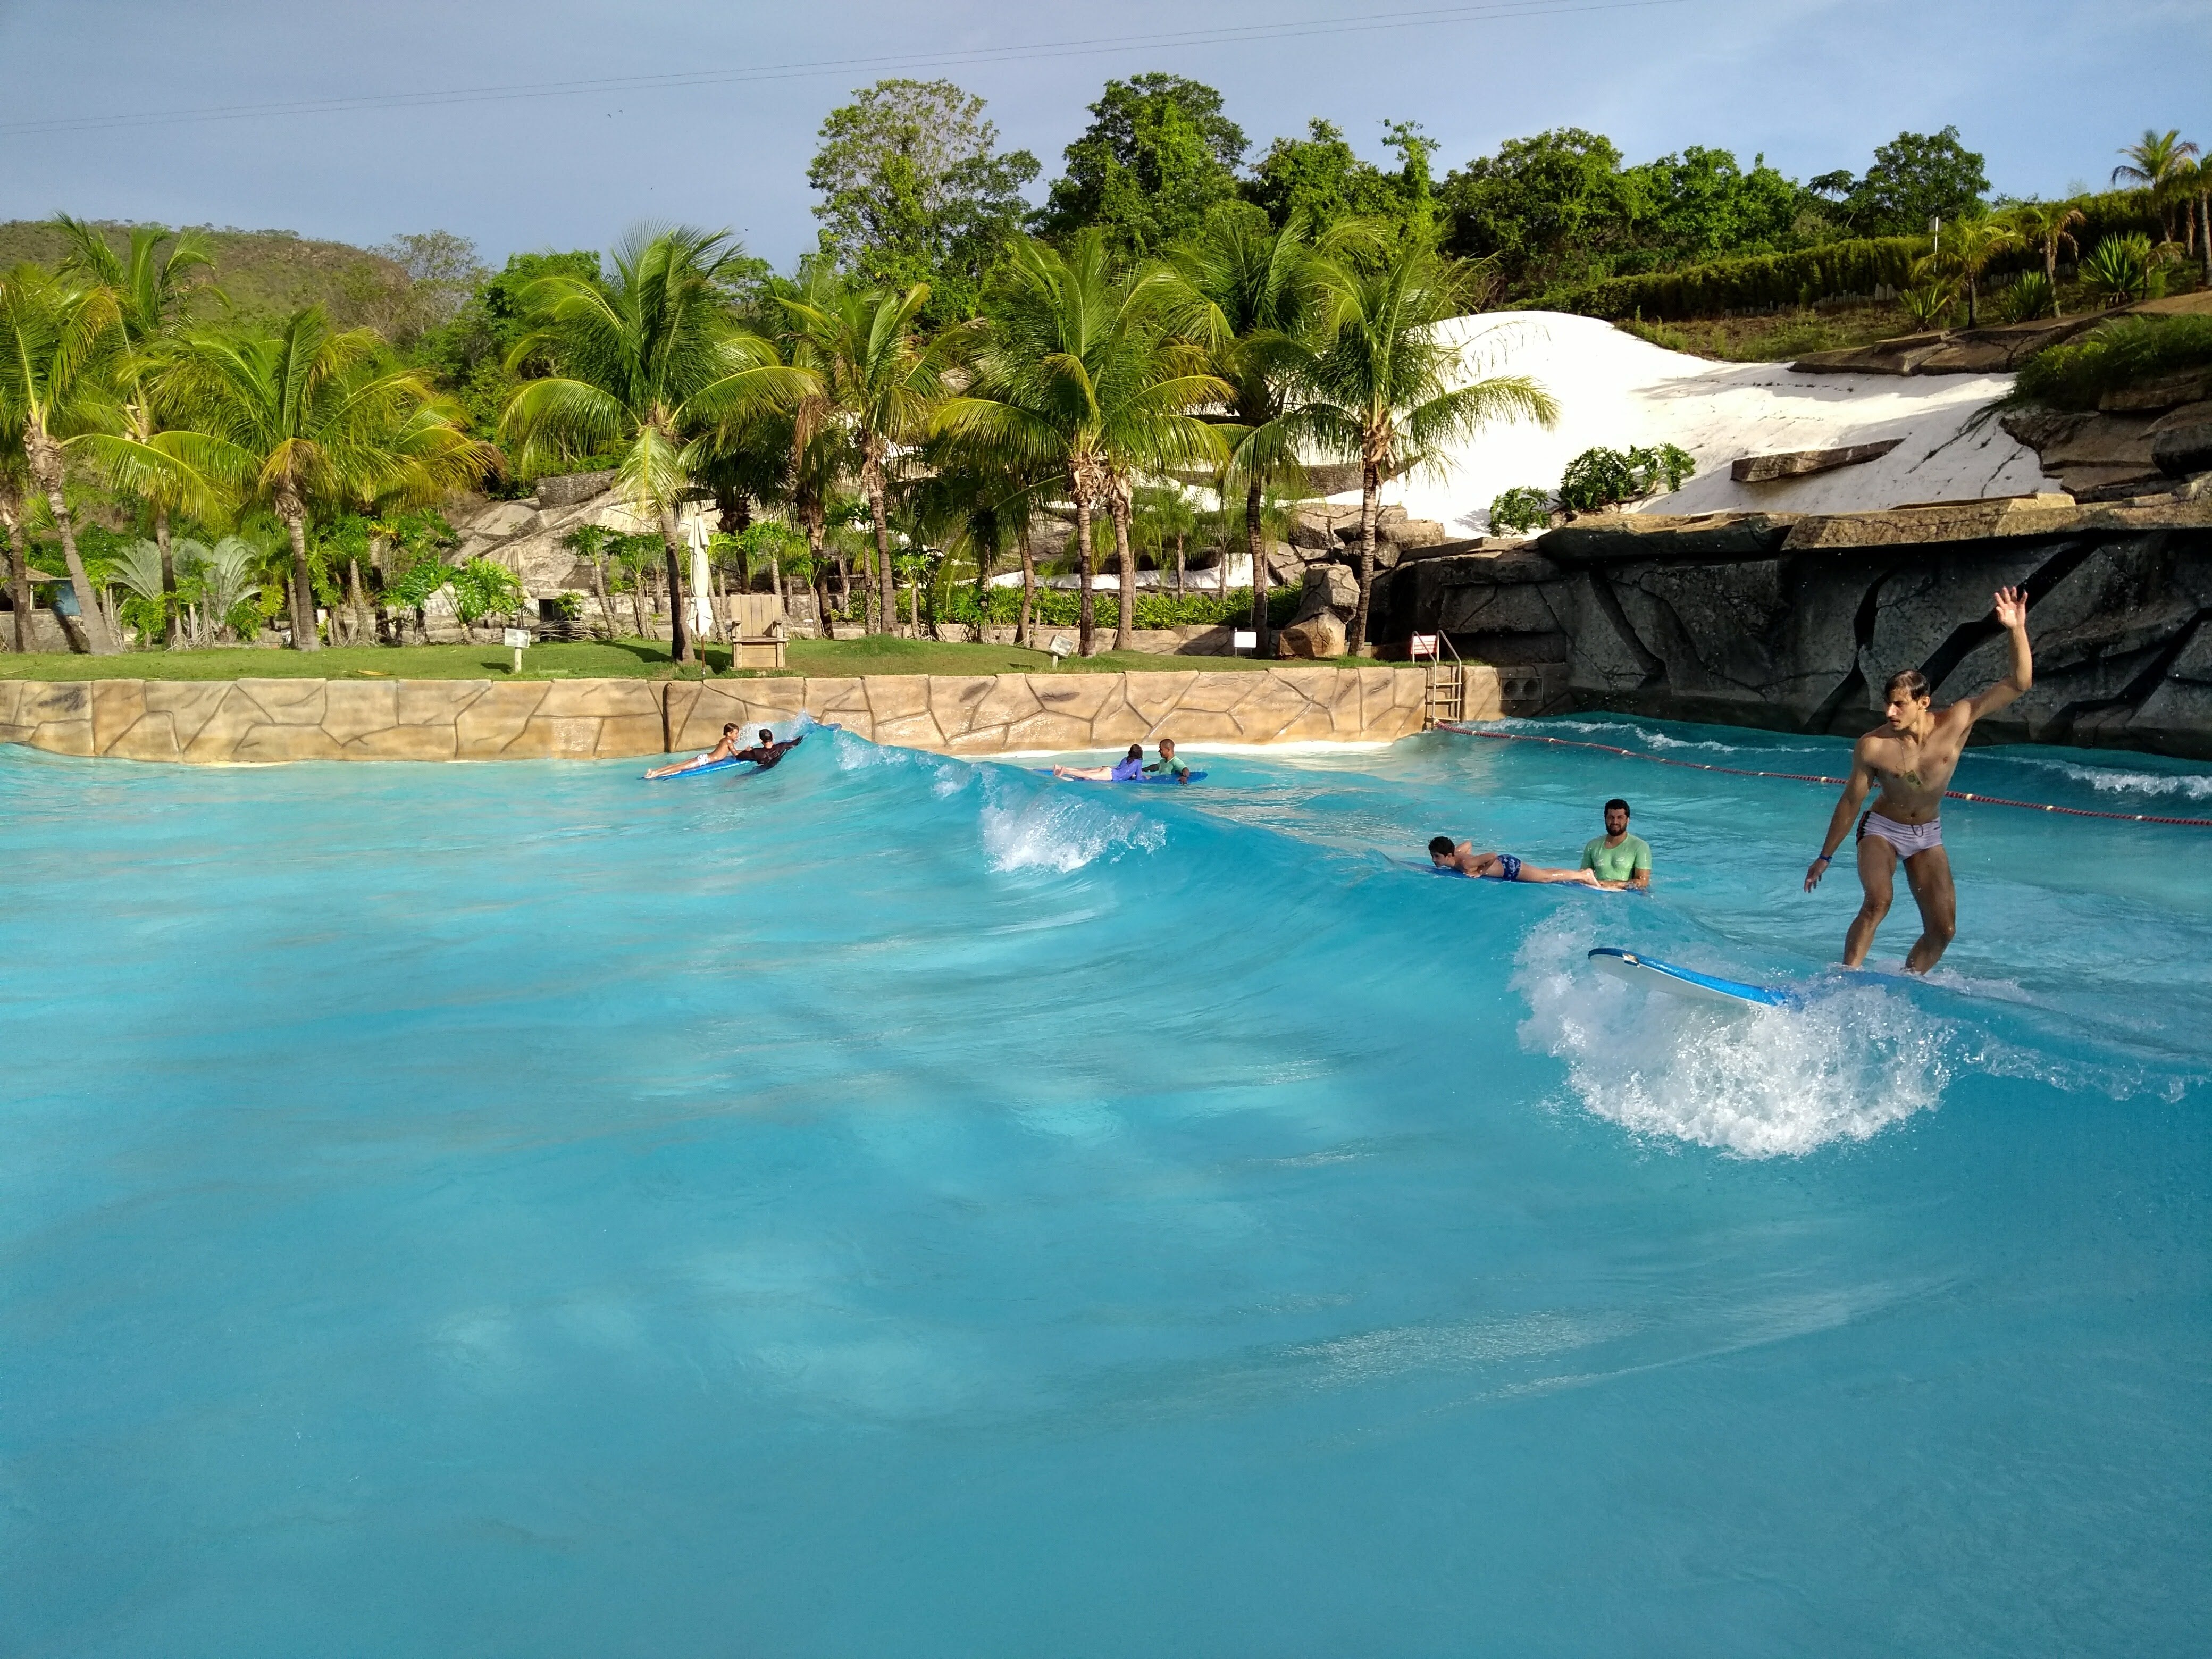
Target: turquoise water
{"points": [[901, 1206]]}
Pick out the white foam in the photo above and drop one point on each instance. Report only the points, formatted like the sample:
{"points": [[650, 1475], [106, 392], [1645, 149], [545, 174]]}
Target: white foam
{"points": [[2191, 785], [1030, 829], [1853, 1060]]}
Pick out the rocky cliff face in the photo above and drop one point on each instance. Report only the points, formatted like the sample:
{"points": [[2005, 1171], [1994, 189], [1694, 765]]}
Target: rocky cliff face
{"points": [[1768, 620]]}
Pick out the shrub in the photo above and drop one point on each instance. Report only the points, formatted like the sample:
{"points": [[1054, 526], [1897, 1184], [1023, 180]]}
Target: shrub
{"points": [[1860, 266], [2121, 269], [1927, 304], [1599, 478], [1523, 509], [482, 588], [1061, 607], [2030, 296], [2116, 355]]}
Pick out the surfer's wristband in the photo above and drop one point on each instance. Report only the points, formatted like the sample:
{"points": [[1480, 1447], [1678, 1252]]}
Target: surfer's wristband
{"points": [[1826, 858]]}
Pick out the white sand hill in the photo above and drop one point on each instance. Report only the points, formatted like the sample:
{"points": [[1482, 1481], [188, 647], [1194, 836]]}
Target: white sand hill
{"points": [[1616, 390]]}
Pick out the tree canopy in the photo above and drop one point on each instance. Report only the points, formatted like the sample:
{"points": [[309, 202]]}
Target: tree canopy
{"points": [[1156, 158], [913, 189]]}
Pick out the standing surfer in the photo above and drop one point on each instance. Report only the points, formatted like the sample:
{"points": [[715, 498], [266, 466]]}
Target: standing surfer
{"points": [[1910, 760]]}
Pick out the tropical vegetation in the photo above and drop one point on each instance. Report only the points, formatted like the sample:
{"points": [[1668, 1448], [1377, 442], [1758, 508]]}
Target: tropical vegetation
{"points": [[1151, 366]]}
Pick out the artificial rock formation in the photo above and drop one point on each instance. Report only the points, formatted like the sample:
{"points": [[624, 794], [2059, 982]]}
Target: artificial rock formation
{"points": [[1797, 622]]}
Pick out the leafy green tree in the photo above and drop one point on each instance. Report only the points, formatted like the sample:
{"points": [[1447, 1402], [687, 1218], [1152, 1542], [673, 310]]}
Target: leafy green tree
{"points": [[881, 385], [1320, 177], [1384, 387], [1916, 177], [1701, 204], [57, 338], [645, 364], [156, 284], [914, 191], [1077, 375], [311, 420], [470, 349], [1156, 158], [1550, 209], [443, 272]]}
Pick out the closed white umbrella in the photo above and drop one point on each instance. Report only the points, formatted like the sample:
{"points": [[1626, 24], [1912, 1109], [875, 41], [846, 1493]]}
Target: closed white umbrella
{"points": [[702, 593]]}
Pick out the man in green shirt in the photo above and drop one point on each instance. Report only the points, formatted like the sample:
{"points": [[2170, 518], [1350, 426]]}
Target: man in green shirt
{"points": [[1616, 858], [1169, 764]]}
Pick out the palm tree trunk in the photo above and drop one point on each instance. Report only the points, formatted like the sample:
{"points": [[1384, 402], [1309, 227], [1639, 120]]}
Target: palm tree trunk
{"points": [[44, 456], [679, 634], [2205, 230], [2050, 271], [294, 512], [1370, 486], [885, 587], [364, 627], [599, 588], [18, 564], [1181, 592], [1084, 619], [1022, 629], [637, 601], [1125, 620], [1971, 286], [172, 622], [1266, 648]]}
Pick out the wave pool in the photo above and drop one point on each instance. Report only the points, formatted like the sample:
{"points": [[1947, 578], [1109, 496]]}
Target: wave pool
{"points": [[898, 1205]]}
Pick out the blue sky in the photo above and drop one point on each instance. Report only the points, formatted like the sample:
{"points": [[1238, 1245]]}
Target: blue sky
{"points": [[2047, 89]]}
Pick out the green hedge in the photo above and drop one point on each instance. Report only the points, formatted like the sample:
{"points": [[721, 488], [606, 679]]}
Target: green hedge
{"points": [[1060, 607], [1755, 284]]}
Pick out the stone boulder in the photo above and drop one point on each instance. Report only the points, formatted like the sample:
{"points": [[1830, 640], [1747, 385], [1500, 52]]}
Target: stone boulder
{"points": [[1329, 588], [2179, 447], [571, 488], [1319, 635]]}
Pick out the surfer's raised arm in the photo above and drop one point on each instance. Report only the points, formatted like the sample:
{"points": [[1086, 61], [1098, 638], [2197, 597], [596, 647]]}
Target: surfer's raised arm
{"points": [[1856, 788], [2011, 605]]}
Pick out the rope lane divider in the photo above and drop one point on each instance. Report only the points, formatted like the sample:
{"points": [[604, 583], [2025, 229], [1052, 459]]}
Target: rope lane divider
{"points": [[1464, 730]]}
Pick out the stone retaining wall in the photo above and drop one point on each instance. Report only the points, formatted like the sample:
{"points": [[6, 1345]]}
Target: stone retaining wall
{"points": [[235, 721]]}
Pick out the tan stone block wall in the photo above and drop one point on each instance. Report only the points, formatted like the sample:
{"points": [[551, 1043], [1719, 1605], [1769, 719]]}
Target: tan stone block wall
{"points": [[264, 720]]}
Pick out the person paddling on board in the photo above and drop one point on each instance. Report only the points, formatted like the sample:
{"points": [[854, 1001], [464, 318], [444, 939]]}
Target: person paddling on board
{"points": [[721, 751], [762, 755], [1446, 854], [1128, 770], [1910, 760], [1167, 765], [1616, 858], [768, 751]]}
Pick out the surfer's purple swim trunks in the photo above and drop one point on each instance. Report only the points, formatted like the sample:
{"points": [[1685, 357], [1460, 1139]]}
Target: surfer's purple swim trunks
{"points": [[1906, 838]]}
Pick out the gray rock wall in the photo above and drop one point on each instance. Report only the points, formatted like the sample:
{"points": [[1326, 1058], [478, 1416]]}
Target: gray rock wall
{"points": [[1804, 635]]}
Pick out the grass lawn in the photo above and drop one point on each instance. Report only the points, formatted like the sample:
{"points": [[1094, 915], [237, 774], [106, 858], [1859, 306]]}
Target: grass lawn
{"points": [[624, 659]]}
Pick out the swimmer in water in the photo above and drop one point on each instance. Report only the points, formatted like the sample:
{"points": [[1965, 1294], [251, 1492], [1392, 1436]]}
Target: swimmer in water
{"points": [[1910, 759], [1130, 767], [1446, 854]]}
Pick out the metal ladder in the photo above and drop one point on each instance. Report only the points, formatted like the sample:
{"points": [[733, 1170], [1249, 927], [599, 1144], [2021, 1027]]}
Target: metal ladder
{"points": [[1444, 696]]}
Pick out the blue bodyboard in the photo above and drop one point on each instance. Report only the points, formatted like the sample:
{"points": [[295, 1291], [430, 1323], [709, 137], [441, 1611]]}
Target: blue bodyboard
{"points": [[1656, 975]]}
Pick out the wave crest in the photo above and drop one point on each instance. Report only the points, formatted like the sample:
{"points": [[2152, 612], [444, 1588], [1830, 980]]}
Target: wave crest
{"points": [[1058, 829], [1769, 1083]]}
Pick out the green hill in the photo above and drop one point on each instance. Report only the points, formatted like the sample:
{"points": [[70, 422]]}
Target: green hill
{"points": [[267, 273]]}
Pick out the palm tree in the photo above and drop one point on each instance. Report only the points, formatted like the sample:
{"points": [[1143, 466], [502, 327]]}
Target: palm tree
{"points": [[1164, 518], [309, 418], [1384, 386], [2152, 161], [1078, 376], [1967, 247], [647, 363], [15, 481], [1243, 291], [56, 339], [2192, 182], [880, 385], [154, 289], [2043, 226]]}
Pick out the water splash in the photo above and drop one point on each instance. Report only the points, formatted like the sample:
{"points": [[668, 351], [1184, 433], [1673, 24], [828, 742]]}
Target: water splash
{"points": [[1028, 827]]}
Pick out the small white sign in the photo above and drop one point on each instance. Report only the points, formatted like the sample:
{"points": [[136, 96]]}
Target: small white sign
{"points": [[518, 639], [1425, 645], [1244, 639]]}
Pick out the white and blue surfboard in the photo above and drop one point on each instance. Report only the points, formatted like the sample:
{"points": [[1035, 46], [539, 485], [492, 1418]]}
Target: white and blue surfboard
{"points": [[1654, 975]]}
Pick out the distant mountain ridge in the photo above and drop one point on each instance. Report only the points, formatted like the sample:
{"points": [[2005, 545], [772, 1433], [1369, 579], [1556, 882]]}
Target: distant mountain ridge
{"points": [[267, 273]]}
